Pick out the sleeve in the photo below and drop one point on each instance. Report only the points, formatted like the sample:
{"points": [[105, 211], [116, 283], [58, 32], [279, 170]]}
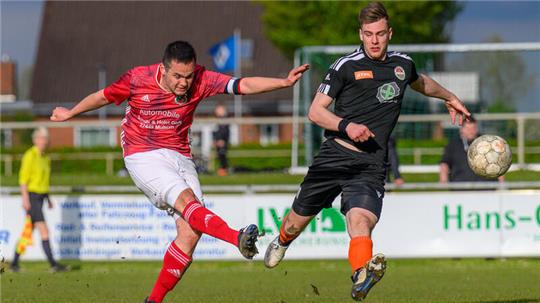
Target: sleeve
{"points": [[218, 83], [120, 90], [332, 83], [26, 168], [447, 155], [414, 74]]}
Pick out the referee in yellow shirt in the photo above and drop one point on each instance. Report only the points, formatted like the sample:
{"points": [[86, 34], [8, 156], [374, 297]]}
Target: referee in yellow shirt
{"points": [[34, 182]]}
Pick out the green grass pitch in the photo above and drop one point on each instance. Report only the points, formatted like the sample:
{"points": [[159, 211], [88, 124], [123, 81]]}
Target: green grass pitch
{"points": [[433, 280]]}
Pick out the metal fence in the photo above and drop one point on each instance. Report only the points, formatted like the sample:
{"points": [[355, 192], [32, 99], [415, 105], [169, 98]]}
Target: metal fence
{"points": [[522, 129]]}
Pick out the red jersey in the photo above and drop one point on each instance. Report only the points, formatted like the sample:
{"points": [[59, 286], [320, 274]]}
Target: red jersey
{"points": [[157, 118]]}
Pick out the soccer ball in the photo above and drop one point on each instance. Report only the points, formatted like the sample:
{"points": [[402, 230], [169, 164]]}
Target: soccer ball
{"points": [[489, 156]]}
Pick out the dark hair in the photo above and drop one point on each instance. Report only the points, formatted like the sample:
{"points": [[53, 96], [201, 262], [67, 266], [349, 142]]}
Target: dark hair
{"points": [[179, 51], [373, 12], [470, 120]]}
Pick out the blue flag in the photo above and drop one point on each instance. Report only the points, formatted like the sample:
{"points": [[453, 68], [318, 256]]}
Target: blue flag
{"points": [[224, 55]]}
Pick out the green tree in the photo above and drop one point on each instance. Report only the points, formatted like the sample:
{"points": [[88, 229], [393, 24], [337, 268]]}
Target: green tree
{"points": [[293, 24]]}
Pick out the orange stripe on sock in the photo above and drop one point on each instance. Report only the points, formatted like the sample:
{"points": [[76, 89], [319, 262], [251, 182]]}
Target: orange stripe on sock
{"points": [[360, 251], [285, 238]]}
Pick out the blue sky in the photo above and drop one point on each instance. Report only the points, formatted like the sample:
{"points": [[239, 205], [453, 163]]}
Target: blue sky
{"points": [[514, 21]]}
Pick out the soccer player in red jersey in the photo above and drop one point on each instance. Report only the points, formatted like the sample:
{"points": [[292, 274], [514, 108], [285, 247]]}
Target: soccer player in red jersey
{"points": [[162, 99]]}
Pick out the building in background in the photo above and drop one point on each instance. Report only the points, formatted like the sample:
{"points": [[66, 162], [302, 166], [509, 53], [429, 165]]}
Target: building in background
{"points": [[85, 46], [8, 83]]}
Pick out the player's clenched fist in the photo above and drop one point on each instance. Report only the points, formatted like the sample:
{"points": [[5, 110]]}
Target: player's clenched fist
{"points": [[60, 114], [358, 132]]}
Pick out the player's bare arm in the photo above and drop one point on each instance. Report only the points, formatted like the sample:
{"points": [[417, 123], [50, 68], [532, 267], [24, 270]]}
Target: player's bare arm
{"points": [[25, 197], [320, 115], [256, 85], [91, 102], [431, 88]]}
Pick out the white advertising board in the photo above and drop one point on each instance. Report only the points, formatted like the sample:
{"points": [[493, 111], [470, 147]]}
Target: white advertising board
{"points": [[412, 225]]}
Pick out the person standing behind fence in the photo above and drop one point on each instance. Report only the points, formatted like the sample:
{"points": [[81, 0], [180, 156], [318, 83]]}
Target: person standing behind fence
{"points": [[393, 159], [221, 140], [34, 178], [454, 166]]}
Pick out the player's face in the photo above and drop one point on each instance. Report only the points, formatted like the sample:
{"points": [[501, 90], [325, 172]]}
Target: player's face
{"points": [[220, 111], [376, 36], [178, 77], [41, 142], [469, 131]]}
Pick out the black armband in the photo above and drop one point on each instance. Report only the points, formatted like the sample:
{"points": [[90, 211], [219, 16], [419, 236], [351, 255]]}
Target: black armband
{"points": [[342, 126], [233, 87]]}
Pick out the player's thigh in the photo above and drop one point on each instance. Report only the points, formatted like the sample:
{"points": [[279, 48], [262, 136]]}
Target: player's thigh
{"points": [[187, 169], [364, 195], [156, 174], [316, 192], [36, 207]]}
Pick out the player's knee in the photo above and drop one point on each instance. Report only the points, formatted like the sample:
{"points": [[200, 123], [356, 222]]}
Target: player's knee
{"points": [[361, 218], [184, 198]]}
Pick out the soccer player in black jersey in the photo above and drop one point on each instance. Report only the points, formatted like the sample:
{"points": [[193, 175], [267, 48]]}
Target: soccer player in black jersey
{"points": [[367, 87]]}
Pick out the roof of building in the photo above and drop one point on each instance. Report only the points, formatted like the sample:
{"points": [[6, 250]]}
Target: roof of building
{"points": [[79, 38]]}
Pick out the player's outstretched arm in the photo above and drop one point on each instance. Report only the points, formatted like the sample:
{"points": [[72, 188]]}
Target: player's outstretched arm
{"points": [[256, 85], [431, 88], [92, 101]]}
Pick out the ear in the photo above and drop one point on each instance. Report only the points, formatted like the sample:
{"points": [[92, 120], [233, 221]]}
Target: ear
{"points": [[360, 34], [162, 69], [390, 32]]}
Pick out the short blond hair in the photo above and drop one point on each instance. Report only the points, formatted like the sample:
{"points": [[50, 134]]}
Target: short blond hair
{"points": [[40, 132]]}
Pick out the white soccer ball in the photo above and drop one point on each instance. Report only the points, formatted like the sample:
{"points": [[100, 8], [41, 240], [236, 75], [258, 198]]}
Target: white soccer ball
{"points": [[489, 156]]}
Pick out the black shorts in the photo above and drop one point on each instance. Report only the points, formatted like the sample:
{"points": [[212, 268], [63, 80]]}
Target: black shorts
{"points": [[36, 207], [358, 176]]}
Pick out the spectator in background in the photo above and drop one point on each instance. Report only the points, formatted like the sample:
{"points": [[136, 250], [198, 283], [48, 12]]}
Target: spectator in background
{"points": [[221, 140], [34, 182], [454, 166], [393, 159]]}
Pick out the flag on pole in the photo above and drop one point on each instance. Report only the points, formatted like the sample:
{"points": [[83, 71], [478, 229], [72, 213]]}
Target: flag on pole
{"points": [[224, 54], [26, 236]]}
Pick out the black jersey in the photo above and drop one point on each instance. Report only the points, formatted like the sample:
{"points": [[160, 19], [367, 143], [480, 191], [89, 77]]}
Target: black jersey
{"points": [[369, 92]]}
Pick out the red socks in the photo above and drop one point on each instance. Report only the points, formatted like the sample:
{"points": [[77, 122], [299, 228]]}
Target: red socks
{"points": [[175, 263], [205, 221]]}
